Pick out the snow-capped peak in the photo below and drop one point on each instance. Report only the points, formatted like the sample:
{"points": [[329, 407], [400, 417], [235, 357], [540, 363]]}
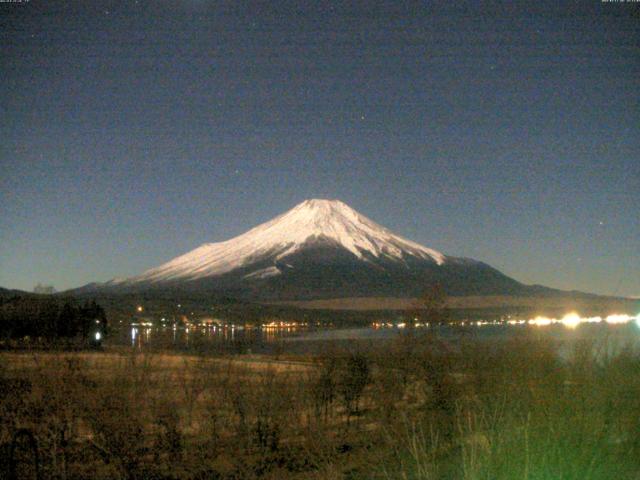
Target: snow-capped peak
{"points": [[316, 219]]}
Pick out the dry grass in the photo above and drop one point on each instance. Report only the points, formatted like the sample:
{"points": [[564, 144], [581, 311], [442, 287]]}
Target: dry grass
{"points": [[417, 408]]}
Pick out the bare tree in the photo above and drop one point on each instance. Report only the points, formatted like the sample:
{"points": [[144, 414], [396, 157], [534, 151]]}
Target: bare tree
{"points": [[433, 305]]}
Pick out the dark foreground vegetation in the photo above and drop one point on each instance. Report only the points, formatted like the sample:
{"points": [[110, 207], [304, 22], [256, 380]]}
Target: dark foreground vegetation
{"points": [[414, 408]]}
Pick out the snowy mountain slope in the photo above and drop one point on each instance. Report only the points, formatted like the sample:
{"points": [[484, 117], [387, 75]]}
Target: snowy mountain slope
{"points": [[330, 220], [318, 249]]}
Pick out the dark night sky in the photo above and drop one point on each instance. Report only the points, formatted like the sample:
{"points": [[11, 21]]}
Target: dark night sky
{"points": [[132, 131]]}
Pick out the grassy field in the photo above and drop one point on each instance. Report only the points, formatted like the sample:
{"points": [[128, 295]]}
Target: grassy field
{"points": [[415, 407]]}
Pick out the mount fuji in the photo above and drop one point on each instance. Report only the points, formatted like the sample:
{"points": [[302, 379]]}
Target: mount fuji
{"points": [[318, 249]]}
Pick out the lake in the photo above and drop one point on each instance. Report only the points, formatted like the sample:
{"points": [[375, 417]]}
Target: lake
{"points": [[615, 333]]}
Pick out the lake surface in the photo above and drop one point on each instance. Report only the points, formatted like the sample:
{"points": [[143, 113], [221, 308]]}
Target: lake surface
{"points": [[232, 340]]}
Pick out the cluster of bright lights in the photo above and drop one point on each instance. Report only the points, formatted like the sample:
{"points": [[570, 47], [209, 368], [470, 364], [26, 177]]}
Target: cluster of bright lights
{"points": [[622, 318], [398, 324], [210, 322], [273, 325], [570, 320]]}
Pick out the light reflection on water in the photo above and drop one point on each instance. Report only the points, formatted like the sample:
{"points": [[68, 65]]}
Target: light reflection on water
{"points": [[256, 340], [234, 339]]}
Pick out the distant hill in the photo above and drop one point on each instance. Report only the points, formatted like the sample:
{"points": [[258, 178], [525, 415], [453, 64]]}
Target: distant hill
{"points": [[7, 293], [567, 301]]}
